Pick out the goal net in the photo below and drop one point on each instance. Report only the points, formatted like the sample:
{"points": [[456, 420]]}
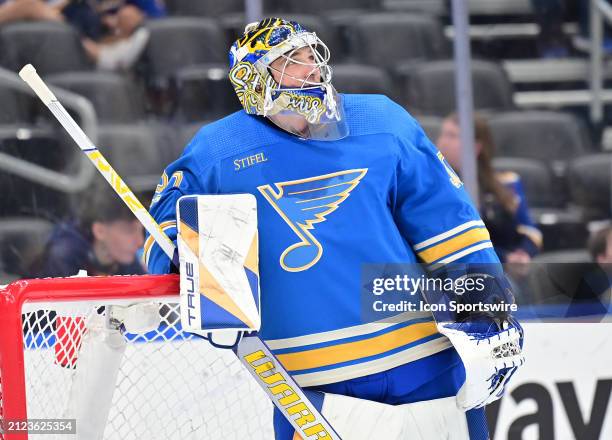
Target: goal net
{"points": [[66, 354]]}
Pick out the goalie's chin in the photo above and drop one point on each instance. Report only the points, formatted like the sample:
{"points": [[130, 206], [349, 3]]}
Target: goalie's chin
{"points": [[329, 126]]}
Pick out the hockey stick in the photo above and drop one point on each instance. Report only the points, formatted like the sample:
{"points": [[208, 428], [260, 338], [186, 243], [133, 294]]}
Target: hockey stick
{"points": [[254, 354]]}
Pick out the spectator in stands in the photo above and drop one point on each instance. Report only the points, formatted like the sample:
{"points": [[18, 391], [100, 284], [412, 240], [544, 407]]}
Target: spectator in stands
{"points": [[104, 241], [549, 15], [600, 246], [34, 10], [584, 287], [503, 204], [151, 8], [123, 47], [93, 18]]}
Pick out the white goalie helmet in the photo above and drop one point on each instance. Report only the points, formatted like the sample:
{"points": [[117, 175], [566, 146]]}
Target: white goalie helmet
{"points": [[261, 63]]}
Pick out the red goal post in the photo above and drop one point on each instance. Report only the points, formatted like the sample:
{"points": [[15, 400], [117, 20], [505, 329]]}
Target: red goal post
{"points": [[188, 378]]}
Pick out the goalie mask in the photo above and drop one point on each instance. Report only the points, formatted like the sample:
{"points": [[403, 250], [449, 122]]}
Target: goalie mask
{"points": [[262, 70]]}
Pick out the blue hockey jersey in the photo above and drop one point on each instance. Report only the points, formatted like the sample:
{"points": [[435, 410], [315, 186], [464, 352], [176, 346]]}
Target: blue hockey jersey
{"points": [[384, 194]]}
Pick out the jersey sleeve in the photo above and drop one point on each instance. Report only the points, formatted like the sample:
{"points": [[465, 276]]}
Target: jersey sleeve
{"points": [[432, 209], [183, 177]]}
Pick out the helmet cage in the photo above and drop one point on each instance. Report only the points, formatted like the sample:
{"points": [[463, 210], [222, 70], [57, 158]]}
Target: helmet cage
{"points": [[316, 90]]}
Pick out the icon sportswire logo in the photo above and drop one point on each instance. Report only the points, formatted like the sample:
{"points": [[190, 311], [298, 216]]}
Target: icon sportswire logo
{"points": [[303, 203]]}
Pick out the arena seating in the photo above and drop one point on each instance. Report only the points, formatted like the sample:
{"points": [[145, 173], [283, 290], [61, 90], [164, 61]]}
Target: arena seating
{"points": [[429, 87], [203, 92], [381, 39], [552, 137], [178, 42], [360, 78], [116, 98], [589, 183], [204, 8], [52, 47], [22, 239]]}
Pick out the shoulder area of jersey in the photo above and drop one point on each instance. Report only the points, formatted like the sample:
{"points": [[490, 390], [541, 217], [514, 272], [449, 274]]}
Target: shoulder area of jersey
{"points": [[235, 128], [369, 102], [365, 114], [369, 114]]}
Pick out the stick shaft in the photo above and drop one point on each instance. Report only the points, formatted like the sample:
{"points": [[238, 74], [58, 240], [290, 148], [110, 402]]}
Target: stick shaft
{"points": [[29, 75]]}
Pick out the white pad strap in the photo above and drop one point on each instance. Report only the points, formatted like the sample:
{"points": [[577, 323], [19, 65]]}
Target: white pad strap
{"points": [[136, 318]]}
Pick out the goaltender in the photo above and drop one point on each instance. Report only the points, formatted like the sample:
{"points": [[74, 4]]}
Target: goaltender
{"points": [[340, 181]]}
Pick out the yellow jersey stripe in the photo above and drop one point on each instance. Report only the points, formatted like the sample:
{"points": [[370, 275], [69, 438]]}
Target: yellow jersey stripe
{"points": [[464, 252], [454, 244], [151, 240], [447, 234], [347, 332], [335, 354], [385, 363]]}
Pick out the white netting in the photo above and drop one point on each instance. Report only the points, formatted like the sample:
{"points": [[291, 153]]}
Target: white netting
{"points": [[170, 385]]}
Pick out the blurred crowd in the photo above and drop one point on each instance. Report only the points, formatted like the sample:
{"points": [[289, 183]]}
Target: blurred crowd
{"points": [[112, 31], [155, 71]]}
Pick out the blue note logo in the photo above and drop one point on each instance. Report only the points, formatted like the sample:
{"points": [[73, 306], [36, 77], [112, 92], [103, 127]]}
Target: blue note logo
{"points": [[305, 202]]}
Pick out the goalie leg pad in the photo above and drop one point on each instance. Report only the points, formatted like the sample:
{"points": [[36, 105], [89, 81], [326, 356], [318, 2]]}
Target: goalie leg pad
{"points": [[359, 419]]}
